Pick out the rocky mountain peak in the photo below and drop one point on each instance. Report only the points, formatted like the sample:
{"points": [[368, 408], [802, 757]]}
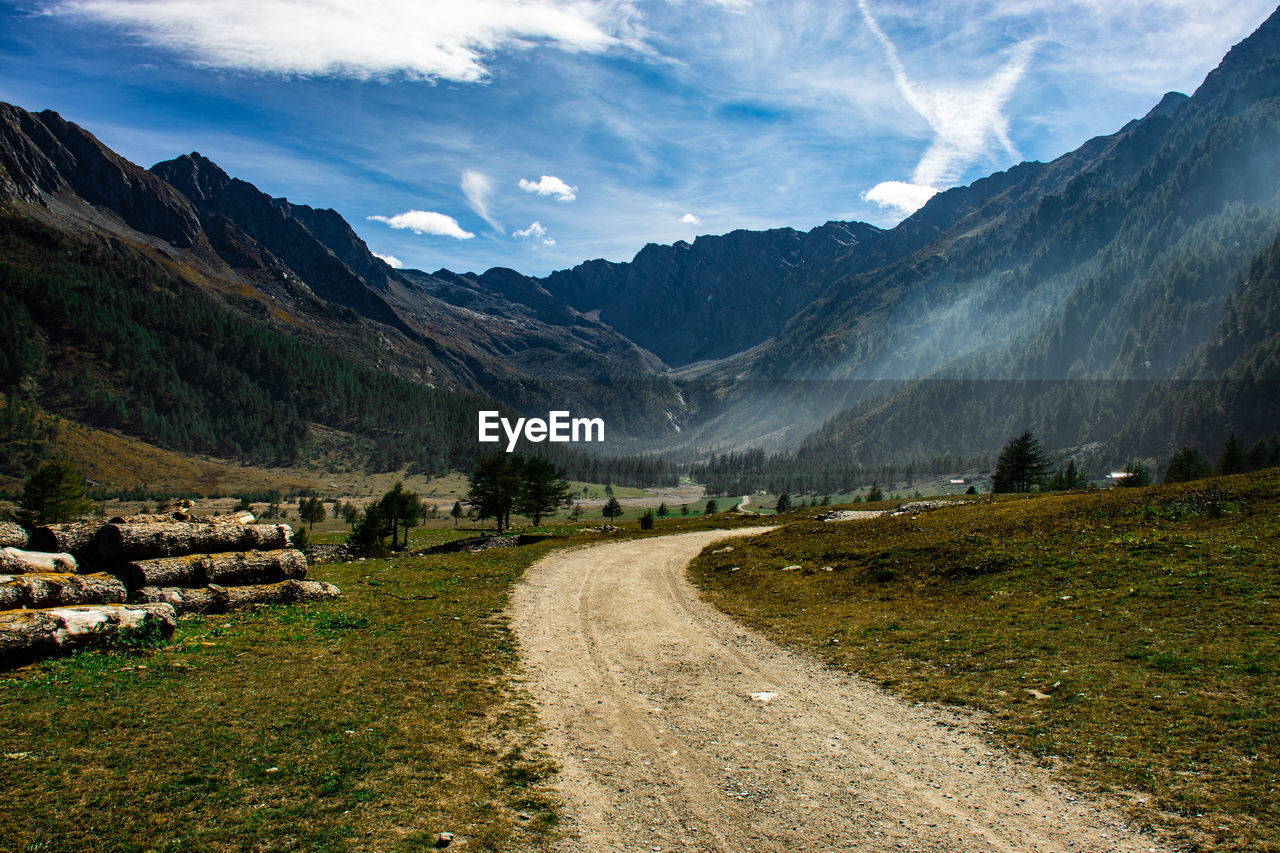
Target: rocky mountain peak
{"points": [[195, 176]]}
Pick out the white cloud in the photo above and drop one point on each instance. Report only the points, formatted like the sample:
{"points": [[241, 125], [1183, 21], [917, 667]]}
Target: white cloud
{"points": [[690, 219], [550, 185], [900, 196], [426, 222], [535, 233], [476, 186], [967, 120], [419, 39], [390, 260]]}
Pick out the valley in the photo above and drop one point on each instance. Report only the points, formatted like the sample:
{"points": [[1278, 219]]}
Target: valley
{"points": [[956, 531]]}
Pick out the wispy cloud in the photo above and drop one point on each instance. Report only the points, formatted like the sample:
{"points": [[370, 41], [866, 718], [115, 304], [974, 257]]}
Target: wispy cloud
{"points": [[535, 233], [967, 121], [426, 222], [476, 186], [418, 39], [550, 185], [390, 260]]}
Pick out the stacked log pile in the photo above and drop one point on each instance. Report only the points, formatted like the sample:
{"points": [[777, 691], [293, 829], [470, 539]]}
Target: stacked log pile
{"points": [[73, 582]]}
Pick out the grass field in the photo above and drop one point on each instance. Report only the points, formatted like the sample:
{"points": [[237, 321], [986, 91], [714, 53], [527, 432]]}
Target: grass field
{"points": [[374, 722], [1131, 635]]}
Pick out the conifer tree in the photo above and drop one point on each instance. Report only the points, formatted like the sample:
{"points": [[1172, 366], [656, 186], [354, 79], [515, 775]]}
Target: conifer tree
{"points": [[52, 495], [1021, 466], [1232, 460]]}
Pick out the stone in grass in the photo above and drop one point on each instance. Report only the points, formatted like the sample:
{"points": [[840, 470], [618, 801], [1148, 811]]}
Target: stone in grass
{"points": [[443, 840]]}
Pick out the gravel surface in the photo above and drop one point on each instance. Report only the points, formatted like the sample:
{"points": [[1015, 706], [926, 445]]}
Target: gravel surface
{"points": [[678, 729]]}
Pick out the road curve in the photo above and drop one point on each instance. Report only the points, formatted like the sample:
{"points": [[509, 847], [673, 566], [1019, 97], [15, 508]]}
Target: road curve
{"points": [[678, 729]]}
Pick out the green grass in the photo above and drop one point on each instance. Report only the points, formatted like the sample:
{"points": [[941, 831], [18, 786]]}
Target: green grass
{"points": [[373, 722], [1148, 616]]}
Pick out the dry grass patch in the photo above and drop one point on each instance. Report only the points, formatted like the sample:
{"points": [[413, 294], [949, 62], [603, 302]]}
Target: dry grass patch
{"points": [[1146, 619], [373, 722]]}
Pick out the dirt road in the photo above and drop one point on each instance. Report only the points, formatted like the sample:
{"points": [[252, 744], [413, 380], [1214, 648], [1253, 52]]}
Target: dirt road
{"points": [[679, 730]]}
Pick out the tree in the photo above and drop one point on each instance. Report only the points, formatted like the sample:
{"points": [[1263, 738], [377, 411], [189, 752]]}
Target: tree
{"points": [[542, 491], [1021, 465], [368, 537], [1186, 465], [402, 509], [312, 510], [875, 493], [351, 514], [1067, 479], [1136, 475], [52, 495], [1232, 459], [612, 509], [1259, 456], [784, 503], [712, 507], [663, 512], [495, 486], [456, 512], [684, 509], [646, 521]]}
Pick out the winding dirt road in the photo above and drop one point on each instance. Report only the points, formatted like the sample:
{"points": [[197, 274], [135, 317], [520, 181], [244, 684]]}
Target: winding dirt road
{"points": [[678, 729]]}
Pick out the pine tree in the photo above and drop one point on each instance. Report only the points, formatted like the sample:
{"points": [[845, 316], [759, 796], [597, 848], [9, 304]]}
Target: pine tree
{"points": [[52, 495], [1021, 466], [712, 507], [612, 509], [1186, 465], [456, 512], [663, 512], [542, 491], [1232, 459], [784, 503], [495, 486]]}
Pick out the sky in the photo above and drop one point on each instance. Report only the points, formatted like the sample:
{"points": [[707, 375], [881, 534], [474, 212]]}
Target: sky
{"points": [[536, 134]]}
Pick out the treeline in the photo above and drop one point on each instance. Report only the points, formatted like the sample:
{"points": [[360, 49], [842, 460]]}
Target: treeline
{"points": [[125, 345], [638, 471], [814, 471], [102, 335]]}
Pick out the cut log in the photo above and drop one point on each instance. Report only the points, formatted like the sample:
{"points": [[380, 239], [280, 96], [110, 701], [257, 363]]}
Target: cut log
{"points": [[241, 517], [26, 634], [73, 537], [285, 592], [202, 600], [58, 590], [217, 599], [15, 561], [232, 569], [177, 538], [12, 535]]}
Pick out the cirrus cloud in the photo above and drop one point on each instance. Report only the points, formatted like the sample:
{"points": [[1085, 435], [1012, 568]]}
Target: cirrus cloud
{"points": [[418, 39], [476, 186], [426, 222], [550, 185]]}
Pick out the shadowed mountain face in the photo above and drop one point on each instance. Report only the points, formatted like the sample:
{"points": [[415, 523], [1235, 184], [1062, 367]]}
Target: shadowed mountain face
{"points": [[1036, 297]]}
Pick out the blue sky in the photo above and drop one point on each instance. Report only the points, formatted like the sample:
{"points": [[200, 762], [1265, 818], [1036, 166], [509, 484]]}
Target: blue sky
{"points": [[536, 134]]}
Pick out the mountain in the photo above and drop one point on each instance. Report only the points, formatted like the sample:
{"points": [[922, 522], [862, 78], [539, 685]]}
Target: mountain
{"points": [[1118, 301]]}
